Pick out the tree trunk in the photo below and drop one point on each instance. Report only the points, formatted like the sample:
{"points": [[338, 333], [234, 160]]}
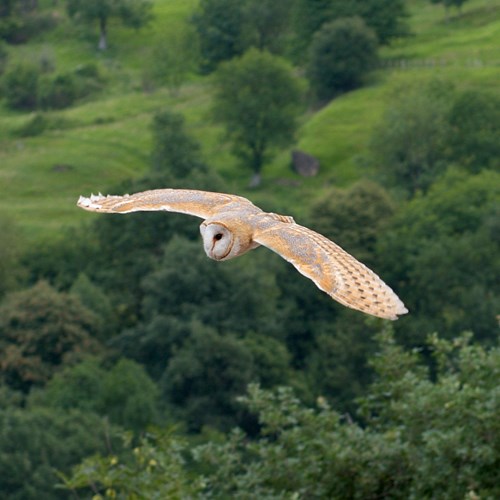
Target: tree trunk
{"points": [[257, 161], [103, 41], [255, 180]]}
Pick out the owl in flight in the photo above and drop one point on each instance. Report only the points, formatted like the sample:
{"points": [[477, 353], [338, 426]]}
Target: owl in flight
{"points": [[233, 225]]}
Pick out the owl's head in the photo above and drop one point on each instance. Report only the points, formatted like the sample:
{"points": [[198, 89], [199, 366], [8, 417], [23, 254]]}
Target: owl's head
{"points": [[219, 242]]}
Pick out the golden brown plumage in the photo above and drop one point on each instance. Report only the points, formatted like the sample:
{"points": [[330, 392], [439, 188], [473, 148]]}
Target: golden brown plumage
{"points": [[233, 225]]}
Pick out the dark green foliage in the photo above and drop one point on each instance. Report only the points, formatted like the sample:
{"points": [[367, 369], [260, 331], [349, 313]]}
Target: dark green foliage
{"points": [[124, 393], [266, 23], [132, 13], [186, 288], [219, 24], [410, 144], [385, 17], [57, 92], [336, 367], [257, 100], [341, 54], [153, 468], [41, 331], [417, 434], [354, 218], [175, 153], [35, 444], [94, 299], [474, 121], [20, 21], [20, 85], [62, 90], [308, 17], [204, 377], [443, 253]]}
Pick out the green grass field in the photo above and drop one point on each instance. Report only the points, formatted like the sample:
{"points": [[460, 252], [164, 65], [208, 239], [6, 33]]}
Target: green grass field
{"points": [[106, 140]]}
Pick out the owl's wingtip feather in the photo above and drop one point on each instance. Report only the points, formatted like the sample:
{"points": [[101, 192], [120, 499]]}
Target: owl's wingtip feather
{"points": [[91, 203]]}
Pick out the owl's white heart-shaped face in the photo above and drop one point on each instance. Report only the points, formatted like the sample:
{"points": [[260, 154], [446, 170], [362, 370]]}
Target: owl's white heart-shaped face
{"points": [[218, 241]]}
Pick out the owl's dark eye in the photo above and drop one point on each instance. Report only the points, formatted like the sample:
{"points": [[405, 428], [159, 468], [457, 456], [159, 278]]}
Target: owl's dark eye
{"points": [[218, 236]]}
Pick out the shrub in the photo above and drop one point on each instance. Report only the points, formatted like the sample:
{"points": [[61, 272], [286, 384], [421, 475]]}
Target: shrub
{"points": [[58, 92], [19, 86]]}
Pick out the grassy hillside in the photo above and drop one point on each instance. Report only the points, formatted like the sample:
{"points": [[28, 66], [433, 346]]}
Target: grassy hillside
{"points": [[106, 140]]}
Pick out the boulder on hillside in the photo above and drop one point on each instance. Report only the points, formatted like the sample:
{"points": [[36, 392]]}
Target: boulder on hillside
{"points": [[304, 164]]}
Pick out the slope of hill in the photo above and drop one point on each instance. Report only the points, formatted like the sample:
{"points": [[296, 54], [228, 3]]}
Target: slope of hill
{"points": [[98, 143]]}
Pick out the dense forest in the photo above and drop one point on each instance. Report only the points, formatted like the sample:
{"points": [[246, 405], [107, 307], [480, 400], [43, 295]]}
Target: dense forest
{"points": [[131, 366]]}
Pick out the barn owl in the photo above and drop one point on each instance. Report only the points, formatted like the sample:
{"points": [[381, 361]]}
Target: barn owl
{"points": [[233, 225]]}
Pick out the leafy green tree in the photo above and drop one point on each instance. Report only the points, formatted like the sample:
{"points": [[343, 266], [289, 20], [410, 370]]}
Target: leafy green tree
{"points": [[266, 24], [174, 151], [94, 299], [256, 98], [35, 444], [441, 251], [410, 143], [474, 128], [219, 24], [123, 393], [204, 377], [42, 330], [153, 468], [418, 431], [132, 13], [341, 54], [386, 18]]}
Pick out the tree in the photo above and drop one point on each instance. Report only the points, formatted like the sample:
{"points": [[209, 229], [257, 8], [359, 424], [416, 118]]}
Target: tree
{"points": [[265, 24], [417, 432], [219, 24], [204, 377], [442, 252], [41, 330], [409, 146], [174, 151], [35, 444], [386, 18], [341, 54], [133, 13], [256, 98], [123, 393], [474, 128]]}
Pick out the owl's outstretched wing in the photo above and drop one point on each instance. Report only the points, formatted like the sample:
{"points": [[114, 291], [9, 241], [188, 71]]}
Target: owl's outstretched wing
{"points": [[331, 268], [187, 201]]}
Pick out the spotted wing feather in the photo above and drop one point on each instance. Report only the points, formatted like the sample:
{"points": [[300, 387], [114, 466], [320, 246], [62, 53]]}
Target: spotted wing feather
{"points": [[331, 268]]}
